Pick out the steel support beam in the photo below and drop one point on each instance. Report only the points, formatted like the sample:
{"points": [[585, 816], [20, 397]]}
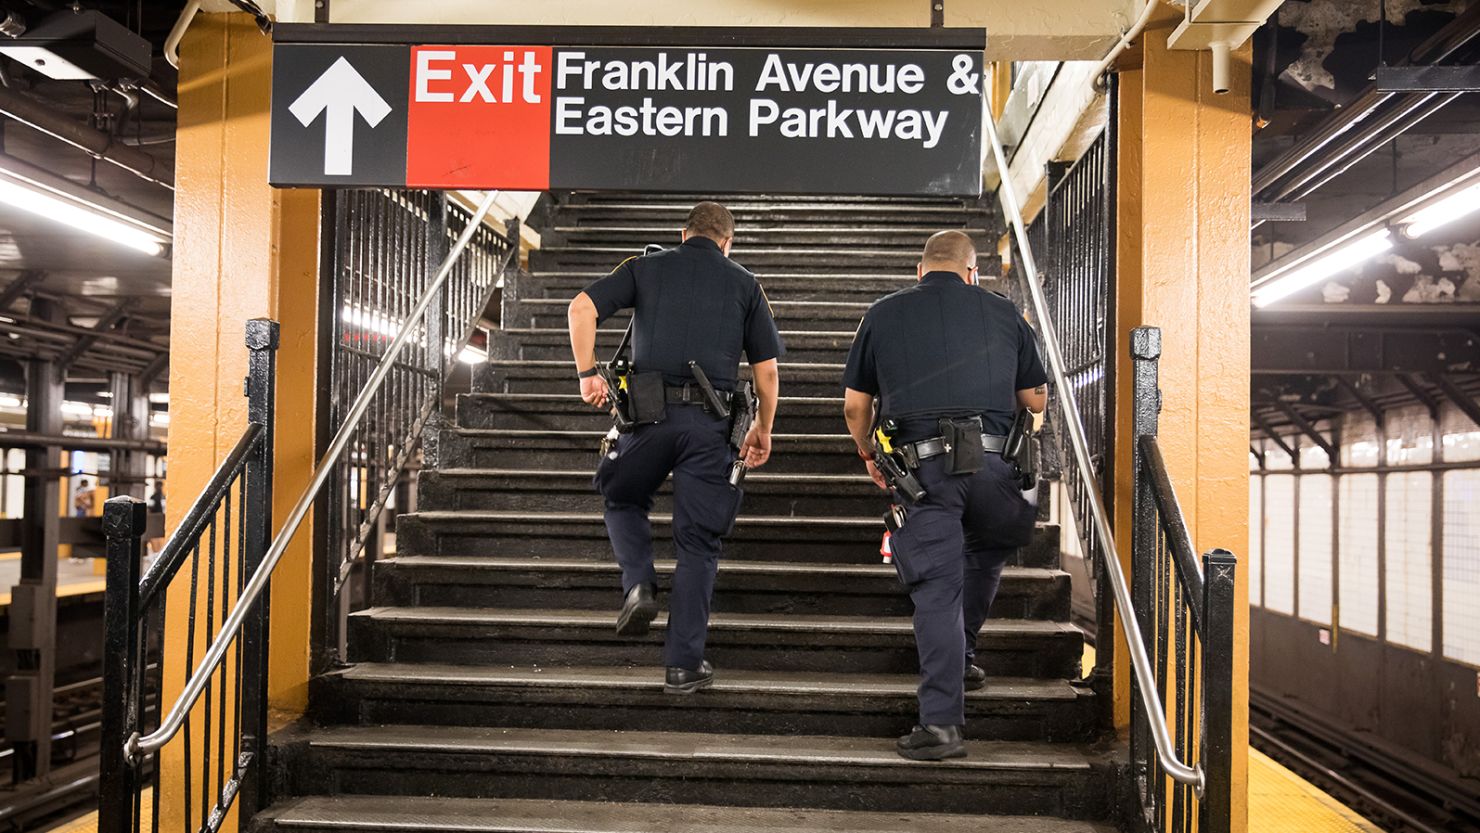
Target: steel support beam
{"points": [[28, 691], [1466, 403], [1362, 399], [1269, 432], [130, 423], [18, 287], [1445, 79], [1334, 351], [1306, 428], [104, 324], [1277, 212], [1423, 396]]}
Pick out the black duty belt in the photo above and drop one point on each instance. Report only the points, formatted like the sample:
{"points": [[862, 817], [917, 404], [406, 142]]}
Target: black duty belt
{"points": [[936, 446], [691, 395]]}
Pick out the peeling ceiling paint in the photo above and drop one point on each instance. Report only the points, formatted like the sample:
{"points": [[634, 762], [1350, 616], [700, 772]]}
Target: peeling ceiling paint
{"points": [[1322, 23]]}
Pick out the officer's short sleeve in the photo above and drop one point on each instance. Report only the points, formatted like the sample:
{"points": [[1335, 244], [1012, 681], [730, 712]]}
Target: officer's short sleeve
{"points": [[762, 340], [861, 372], [1030, 373], [616, 291]]}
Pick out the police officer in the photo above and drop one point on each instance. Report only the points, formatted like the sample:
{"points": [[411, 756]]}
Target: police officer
{"points": [[935, 358], [690, 303]]}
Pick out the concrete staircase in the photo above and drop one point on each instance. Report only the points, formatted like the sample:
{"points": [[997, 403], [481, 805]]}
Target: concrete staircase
{"points": [[488, 692]]}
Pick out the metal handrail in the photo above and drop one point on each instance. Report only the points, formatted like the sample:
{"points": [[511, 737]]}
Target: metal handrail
{"points": [[201, 676], [1178, 770]]}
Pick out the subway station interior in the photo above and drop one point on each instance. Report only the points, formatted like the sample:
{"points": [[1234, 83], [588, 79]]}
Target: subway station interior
{"points": [[297, 525]]}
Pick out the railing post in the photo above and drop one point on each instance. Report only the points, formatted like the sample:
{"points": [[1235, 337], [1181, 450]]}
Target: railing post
{"points": [[261, 390], [1219, 610], [1145, 416], [438, 215], [125, 519]]}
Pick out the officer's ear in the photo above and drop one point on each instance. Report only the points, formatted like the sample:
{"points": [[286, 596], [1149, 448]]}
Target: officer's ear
{"points": [[724, 245], [683, 236], [920, 270]]}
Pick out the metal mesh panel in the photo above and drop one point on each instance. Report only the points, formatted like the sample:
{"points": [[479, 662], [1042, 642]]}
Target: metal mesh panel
{"points": [[387, 246], [1408, 551], [1358, 559], [1072, 238], [1317, 491], [1462, 566]]}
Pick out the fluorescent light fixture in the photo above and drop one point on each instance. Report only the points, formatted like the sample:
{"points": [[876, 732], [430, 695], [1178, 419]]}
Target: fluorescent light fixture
{"points": [[1317, 270], [1456, 206], [79, 217], [11, 402], [77, 409], [159, 398], [472, 355]]}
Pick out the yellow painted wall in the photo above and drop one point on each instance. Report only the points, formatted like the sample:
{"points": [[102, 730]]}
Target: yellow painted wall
{"points": [[1184, 267], [242, 250]]}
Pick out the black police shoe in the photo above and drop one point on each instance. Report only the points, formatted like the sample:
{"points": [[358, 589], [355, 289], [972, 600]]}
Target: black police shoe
{"points": [[638, 611], [684, 681], [932, 743], [975, 678]]}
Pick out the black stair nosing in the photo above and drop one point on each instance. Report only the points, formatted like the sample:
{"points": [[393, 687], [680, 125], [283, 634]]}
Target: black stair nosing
{"points": [[719, 623], [564, 366], [573, 398], [440, 814], [826, 755], [595, 678], [777, 305], [852, 277], [584, 475], [559, 564], [482, 515]]}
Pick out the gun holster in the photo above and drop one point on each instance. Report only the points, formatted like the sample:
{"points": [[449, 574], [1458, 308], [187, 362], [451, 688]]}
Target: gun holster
{"points": [[1021, 450]]}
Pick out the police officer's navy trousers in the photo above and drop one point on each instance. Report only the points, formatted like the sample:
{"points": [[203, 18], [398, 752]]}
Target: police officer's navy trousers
{"points": [[949, 554], [693, 444]]}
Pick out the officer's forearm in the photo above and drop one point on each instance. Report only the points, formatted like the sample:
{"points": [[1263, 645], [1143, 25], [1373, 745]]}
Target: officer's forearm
{"points": [[858, 410], [582, 319], [767, 390], [1034, 399]]}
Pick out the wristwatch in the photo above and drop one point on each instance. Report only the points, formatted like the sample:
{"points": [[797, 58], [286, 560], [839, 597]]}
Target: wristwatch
{"points": [[587, 374]]}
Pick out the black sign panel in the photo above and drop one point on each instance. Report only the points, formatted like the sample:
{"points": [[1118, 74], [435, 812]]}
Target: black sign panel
{"points": [[812, 121], [469, 114], [338, 115]]}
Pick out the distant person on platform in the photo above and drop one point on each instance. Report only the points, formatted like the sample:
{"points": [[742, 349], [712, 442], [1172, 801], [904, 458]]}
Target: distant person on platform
{"points": [[84, 499], [690, 304], [943, 368]]}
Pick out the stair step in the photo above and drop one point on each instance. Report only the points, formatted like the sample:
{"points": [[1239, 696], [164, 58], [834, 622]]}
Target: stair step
{"points": [[414, 814], [757, 234], [803, 643], [779, 286], [847, 540], [550, 490], [829, 315], [513, 376], [754, 587], [675, 767], [523, 448], [754, 257], [741, 701], [567, 411], [554, 344]]}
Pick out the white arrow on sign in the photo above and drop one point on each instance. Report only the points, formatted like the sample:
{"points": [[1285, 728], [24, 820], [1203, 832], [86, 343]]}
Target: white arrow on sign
{"points": [[339, 93]]}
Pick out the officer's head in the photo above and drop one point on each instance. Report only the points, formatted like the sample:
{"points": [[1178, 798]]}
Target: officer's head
{"points": [[712, 220], [949, 251]]}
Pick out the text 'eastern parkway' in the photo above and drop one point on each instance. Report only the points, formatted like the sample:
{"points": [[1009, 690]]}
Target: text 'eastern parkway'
{"points": [[694, 72]]}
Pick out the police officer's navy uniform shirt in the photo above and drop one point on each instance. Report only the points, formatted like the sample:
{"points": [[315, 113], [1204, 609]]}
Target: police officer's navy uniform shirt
{"points": [[944, 348], [691, 303]]}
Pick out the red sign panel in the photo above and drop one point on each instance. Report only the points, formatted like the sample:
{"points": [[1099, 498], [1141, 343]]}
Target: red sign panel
{"points": [[479, 117]]}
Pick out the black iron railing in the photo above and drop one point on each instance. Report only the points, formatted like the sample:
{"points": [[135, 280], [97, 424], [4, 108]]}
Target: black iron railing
{"points": [[1185, 607], [1183, 771], [386, 249], [219, 545]]}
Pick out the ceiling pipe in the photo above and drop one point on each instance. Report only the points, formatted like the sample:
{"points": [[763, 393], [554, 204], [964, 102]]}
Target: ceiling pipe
{"points": [[1124, 43], [177, 33], [95, 142]]}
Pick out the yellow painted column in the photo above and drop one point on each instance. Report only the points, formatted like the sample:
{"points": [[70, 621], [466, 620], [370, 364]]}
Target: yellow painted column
{"points": [[1184, 267], [242, 250]]}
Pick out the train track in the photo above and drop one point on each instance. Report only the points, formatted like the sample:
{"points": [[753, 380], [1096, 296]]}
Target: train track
{"points": [[1395, 794]]}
